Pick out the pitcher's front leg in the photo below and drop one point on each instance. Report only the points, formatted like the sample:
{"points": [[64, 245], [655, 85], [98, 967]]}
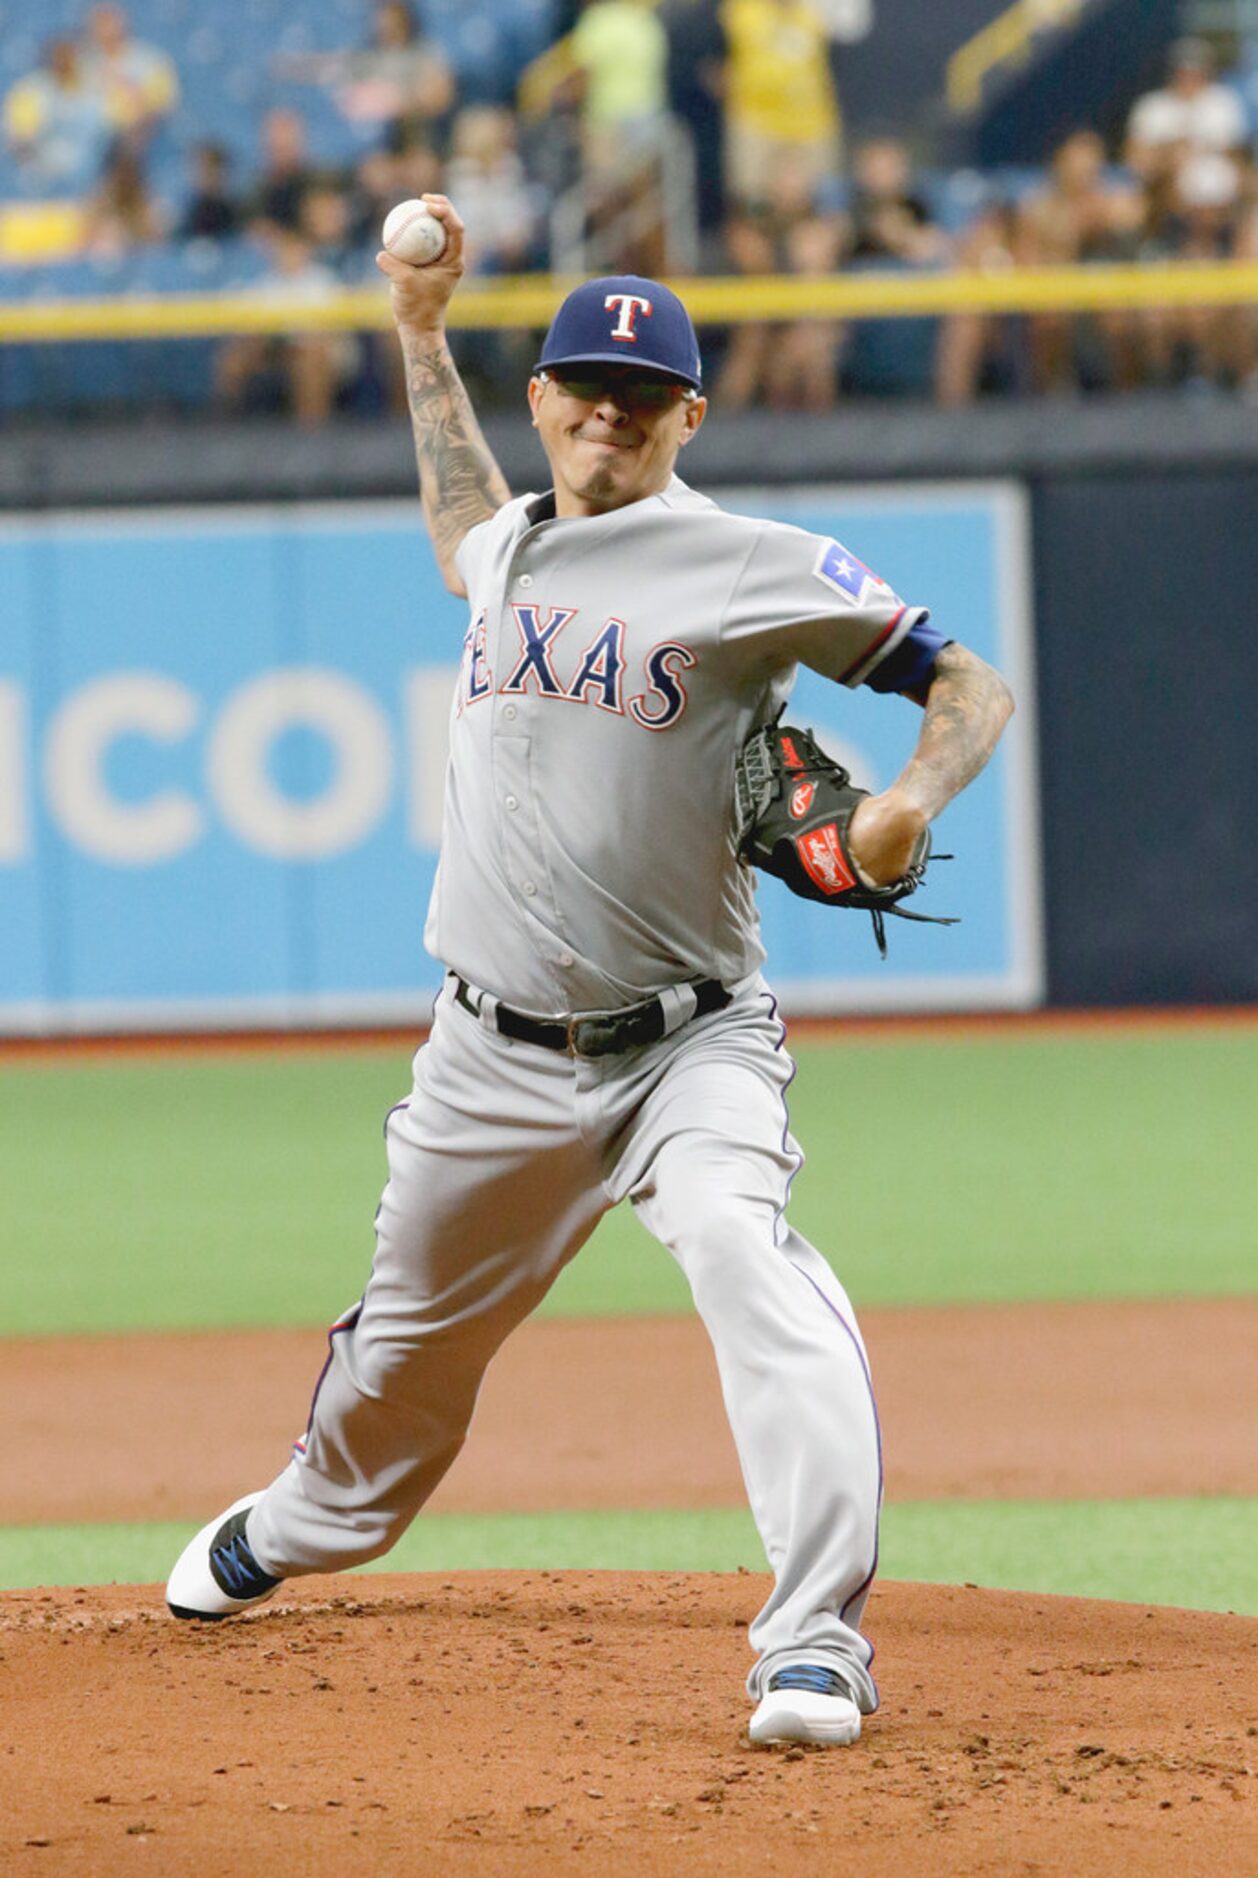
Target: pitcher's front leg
{"points": [[797, 1392], [709, 1165]]}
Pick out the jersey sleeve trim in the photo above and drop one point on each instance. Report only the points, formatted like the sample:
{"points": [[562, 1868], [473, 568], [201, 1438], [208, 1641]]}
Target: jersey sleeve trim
{"points": [[892, 633], [909, 667]]}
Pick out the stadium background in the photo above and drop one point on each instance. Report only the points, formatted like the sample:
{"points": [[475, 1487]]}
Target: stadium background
{"points": [[169, 563]]}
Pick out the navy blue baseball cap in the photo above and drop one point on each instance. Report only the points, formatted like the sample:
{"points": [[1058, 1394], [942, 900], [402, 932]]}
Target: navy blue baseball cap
{"points": [[623, 319]]}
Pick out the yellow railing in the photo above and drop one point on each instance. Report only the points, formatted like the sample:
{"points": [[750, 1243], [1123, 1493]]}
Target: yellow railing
{"points": [[528, 301], [1006, 41]]}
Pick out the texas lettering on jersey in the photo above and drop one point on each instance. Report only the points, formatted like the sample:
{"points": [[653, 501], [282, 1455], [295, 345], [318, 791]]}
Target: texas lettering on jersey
{"points": [[597, 677]]}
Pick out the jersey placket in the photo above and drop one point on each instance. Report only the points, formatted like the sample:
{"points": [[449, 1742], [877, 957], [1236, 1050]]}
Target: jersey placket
{"points": [[515, 728]]}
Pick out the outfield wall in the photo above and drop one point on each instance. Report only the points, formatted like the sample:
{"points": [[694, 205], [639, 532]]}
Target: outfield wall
{"points": [[1147, 655], [222, 740], [225, 735]]}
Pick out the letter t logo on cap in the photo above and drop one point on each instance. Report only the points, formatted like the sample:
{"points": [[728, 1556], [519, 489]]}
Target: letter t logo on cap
{"points": [[630, 305]]}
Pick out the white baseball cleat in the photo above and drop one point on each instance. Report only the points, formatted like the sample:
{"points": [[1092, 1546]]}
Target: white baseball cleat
{"points": [[806, 1702], [216, 1574]]}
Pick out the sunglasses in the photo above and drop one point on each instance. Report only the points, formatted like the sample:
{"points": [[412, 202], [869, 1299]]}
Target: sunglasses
{"points": [[643, 391]]}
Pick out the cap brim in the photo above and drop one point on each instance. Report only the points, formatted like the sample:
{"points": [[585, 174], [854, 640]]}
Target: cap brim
{"points": [[619, 358]]}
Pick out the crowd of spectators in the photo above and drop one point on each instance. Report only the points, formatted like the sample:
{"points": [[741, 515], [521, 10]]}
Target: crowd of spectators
{"points": [[778, 188]]}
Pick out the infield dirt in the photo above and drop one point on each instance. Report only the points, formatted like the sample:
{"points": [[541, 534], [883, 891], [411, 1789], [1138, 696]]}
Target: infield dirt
{"points": [[1048, 1401], [519, 1725]]}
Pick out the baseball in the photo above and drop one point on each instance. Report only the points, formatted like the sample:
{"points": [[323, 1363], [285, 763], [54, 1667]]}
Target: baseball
{"points": [[413, 234]]}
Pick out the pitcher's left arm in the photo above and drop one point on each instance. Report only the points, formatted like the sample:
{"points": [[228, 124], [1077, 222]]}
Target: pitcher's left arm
{"points": [[967, 705]]}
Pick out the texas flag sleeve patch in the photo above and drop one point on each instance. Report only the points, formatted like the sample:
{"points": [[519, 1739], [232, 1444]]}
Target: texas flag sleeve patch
{"points": [[839, 568]]}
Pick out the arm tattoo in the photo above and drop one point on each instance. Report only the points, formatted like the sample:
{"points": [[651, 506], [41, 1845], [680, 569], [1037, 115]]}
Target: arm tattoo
{"points": [[967, 706], [460, 483]]}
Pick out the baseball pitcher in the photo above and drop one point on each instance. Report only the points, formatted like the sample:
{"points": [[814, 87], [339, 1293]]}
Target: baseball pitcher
{"points": [[604, 1033]]}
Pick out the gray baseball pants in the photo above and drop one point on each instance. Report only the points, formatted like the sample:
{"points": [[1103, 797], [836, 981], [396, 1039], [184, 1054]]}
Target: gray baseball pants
{"points": [[501, 1163]]}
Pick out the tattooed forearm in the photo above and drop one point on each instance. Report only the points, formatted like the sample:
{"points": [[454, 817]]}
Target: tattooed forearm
{"points": [[460, 483], [967, 707]]}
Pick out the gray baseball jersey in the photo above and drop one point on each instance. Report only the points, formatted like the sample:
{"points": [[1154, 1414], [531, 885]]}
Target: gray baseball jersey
{"points": [[612, 668]]}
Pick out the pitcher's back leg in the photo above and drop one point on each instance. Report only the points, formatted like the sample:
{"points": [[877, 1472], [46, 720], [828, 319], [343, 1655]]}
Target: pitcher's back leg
{"points": [[491, 1190]]}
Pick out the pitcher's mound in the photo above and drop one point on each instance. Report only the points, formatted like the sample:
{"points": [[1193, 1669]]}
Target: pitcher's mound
{"points": [[507, 1724]]}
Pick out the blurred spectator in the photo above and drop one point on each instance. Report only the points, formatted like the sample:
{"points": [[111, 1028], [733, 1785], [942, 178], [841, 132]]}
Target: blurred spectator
{"points": [[978, 351], [1202, 216], [1195, 214], [888, 226], [697, 53], [301, 372], [794, 366], [402, 76], [403, 73], [888, 221], [597, 103], [417, 169], [1245, 248], [620, 52], [1081, 214], [137, 83], [486, 182], [121, 214], [1191, 113], [211, 210], [373, 190], [55, 122], [325, 221], [780, 102], [274, 202]]}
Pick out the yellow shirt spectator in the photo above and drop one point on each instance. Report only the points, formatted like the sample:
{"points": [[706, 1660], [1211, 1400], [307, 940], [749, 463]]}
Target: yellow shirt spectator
{"points": [[623, 51], [55, 124], [780, 85]]}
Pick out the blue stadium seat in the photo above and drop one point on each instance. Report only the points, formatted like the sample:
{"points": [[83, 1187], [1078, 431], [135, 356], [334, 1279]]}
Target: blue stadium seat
{"points": [[1014, 183], [19, 54], [955, 197], [224, 51]]}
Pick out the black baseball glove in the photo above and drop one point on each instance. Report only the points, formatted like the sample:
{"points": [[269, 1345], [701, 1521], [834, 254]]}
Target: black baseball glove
{"points": [[794, 805]]}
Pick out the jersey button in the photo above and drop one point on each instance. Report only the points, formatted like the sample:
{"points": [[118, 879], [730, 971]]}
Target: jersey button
{"points": [[511, 802], [530, 888], [566, 959], [508, 711], [525, 580]]}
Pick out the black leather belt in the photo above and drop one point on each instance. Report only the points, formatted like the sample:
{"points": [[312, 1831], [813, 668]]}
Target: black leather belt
{"points": [[596, 1033]]}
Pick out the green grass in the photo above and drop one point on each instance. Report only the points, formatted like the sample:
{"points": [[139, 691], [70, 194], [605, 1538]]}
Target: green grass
{"points": [[1197, 1553], [210, 1190]]}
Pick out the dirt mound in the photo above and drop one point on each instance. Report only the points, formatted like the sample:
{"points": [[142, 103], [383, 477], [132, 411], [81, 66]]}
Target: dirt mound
{"points": [[507, 1724]]}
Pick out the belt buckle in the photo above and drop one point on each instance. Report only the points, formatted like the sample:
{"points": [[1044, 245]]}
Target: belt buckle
{"points": [[602, 1043]]}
